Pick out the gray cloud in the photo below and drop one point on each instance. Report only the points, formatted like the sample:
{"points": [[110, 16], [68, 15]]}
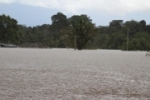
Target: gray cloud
{"points": [[120, 7], [7, 1]]}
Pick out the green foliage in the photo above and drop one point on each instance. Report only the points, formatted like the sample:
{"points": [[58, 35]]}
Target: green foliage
{"points": [[140, 41], [115, 35], [59, 24], [82, 29], [8, 30], [77, 31]]}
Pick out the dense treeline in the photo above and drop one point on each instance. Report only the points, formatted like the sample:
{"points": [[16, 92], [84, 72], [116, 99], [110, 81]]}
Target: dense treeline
{"points": [[78, 32]]}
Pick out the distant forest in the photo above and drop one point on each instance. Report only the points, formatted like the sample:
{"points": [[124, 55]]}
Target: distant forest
{"points": [[78, 32]]}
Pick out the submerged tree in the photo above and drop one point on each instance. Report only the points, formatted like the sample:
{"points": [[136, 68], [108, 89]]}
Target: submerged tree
{"points": [[82, 30]]}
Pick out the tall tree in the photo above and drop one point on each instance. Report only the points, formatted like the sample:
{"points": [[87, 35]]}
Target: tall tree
{"points": [[9, 28], [59, 23], [115, 25], [82, 30], [142, 25]]}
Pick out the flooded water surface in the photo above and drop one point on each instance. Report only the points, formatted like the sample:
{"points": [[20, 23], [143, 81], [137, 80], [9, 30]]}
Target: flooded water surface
{"points": [[67, 74]]}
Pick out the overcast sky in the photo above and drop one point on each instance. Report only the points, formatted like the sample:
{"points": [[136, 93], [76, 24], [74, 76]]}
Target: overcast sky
{"points": [[38, 12]]}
